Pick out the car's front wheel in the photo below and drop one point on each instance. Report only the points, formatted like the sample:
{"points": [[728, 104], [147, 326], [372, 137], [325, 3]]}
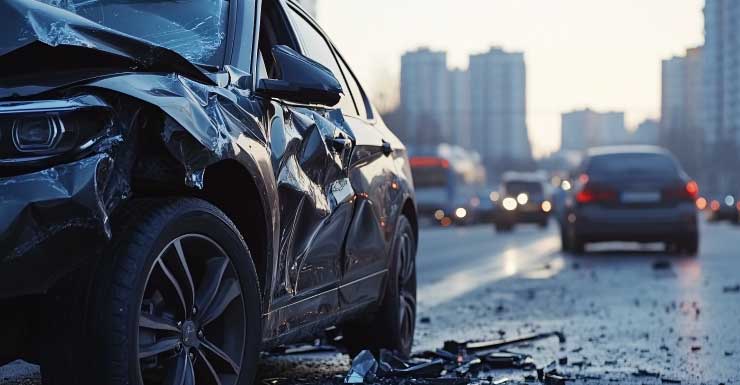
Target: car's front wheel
{"points": [[179, 299], [393, 326]]}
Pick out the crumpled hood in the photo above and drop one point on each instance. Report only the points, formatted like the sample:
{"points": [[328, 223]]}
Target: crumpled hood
{"points": [[43, 47]]}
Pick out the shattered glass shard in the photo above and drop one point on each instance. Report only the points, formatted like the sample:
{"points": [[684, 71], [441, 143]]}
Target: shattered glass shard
{"points": [[363, 369]]}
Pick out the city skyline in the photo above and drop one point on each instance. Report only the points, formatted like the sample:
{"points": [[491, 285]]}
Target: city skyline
{"points": [[482, 109], [604, 55]]}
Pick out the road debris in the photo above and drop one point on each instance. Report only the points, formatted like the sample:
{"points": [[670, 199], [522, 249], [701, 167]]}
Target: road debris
{"points": [[731, 289], [661, 265], [457, 363]]}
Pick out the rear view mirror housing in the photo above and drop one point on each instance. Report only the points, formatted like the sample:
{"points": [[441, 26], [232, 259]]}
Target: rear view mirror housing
{"points": [[302, 80]]}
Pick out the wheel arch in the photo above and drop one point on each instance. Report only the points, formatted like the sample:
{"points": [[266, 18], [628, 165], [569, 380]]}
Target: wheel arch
{"points": [[409, 211], [233, 189]]}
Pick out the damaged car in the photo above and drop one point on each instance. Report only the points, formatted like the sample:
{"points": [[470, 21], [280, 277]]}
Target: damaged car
{"points": [[187, 183]]}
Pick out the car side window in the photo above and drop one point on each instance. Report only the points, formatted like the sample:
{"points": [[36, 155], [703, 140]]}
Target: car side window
{"points": [[318, 49], [357, 93]]}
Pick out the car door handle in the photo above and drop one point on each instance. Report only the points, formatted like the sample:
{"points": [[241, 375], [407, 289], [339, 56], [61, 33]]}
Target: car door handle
{"points": [[341, 143], [387, 149]]}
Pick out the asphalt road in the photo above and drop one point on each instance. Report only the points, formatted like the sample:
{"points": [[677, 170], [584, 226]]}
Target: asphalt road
{"points": [[630, 313]]}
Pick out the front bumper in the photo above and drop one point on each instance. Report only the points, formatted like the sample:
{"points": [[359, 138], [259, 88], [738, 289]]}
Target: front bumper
{"points": [[521, 216], [51, 221]]}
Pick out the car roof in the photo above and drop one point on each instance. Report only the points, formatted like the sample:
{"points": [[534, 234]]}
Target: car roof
{"points": [[626, 149]]}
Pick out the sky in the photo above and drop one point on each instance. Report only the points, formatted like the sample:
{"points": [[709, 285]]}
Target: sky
{"points": [[603, 54]]}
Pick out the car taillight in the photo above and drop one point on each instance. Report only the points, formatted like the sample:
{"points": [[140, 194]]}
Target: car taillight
{"points": [[595, 194], [689, 192]]}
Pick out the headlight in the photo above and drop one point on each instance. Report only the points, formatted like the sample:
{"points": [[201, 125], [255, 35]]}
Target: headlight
{"points": [[439, 214], [546, 206], [509, 204], [37, 129], [522, 199], [42, 134], [730, 200], [461, 213]]}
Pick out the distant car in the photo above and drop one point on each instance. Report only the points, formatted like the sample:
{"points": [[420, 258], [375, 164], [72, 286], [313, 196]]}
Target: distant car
{"points": [[724, 209], [631, 193], [522, 199], [447, 180]]}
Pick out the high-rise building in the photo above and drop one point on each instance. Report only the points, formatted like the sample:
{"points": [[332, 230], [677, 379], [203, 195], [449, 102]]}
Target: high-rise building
{"points": [[681, 128], [310, 7], [646, 133], [583, 129], [459, 117], [498, 101], [721, 115], [425, 97]]}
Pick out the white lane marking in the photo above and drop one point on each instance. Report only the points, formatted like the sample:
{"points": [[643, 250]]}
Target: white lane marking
{"points": [[511, 261]]}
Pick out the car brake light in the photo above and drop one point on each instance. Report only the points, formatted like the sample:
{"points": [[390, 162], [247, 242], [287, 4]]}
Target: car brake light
{"points": [[693, 189], [591, 194], [689, 191]]}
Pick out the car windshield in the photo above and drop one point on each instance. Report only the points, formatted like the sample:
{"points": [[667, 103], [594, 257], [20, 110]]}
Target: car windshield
{"points": [[196, 29], [622, 165], [515, 188]]}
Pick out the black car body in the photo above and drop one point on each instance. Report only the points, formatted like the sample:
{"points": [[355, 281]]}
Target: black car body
{"points": [[522, 198], [631, 193], [125, 122]]}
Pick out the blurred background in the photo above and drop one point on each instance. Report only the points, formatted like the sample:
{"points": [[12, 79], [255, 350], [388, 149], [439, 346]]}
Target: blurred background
{"points": [[532, 220], [523, 85]]}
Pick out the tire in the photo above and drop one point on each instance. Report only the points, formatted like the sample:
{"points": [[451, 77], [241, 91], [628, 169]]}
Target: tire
{"points": [[177, 295], [544, 224], [392, 327], [690, 244], [577, 245], [564, 241]]}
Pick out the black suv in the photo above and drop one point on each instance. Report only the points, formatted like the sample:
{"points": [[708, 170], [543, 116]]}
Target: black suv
{"points": [[187, 183]]}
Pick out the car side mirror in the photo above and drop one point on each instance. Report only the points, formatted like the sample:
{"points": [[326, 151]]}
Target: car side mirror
{"points": [[302, 80]]}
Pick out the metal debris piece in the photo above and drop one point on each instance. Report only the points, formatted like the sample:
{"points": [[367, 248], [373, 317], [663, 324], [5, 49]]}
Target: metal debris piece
{"points": [[554, 379], [661, 265], [645, 373], [363, 369], [505, 360], [481, 346], [670, 380], [303, 349], [424, 370]]}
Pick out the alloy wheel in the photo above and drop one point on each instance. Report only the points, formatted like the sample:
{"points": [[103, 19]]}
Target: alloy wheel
{"points": [[191, 327]]}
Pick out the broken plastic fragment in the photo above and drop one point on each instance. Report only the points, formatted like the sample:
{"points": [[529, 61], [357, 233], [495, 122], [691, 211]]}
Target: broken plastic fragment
{"points": [[363, 369]]}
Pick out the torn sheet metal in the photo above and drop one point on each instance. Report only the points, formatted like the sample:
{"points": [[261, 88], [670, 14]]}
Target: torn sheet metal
{"points": [[39, 211]]}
